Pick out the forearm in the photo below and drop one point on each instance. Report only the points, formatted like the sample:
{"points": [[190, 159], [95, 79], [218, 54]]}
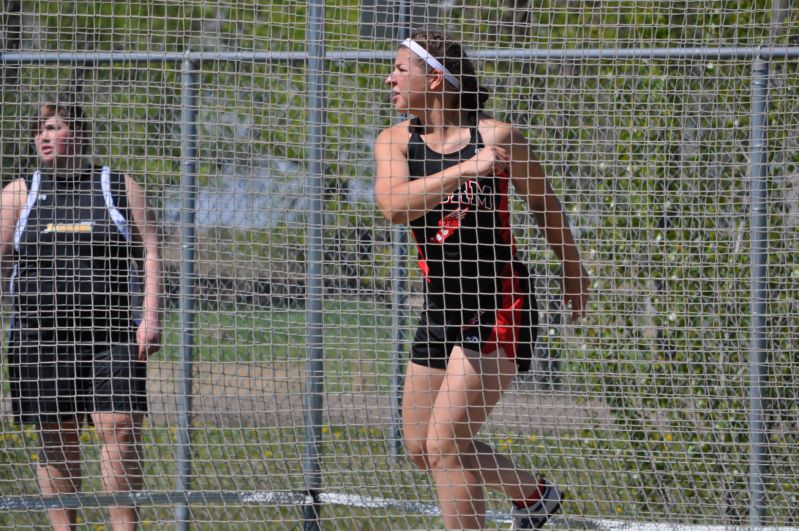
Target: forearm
{"points": [[557, 231], [412, 199], [151, 304]]}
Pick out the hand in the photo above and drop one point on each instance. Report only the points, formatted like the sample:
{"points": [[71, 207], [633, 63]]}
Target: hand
{"points": [[575, 286], [491, 160], [148, 337]]}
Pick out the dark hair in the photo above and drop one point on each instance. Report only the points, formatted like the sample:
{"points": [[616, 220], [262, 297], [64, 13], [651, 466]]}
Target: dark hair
{"points": [[70, 112], [451, 54]]}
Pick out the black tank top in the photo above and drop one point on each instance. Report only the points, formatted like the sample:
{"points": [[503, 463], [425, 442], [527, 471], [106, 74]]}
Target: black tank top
{"points": [[465, 244], [73, 253]]}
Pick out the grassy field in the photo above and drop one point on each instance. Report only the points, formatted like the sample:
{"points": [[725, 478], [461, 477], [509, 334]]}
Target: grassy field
{"points": [[354, 461], [355, 458], [357, 338], [605, 474]]}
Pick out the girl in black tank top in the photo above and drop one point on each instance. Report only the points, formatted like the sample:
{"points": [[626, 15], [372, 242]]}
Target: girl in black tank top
{"points": [[73, 261], [479, 320], [465, 243], [79, 341]]}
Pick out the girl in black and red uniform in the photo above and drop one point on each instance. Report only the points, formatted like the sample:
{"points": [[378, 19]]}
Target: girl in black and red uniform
{"points": [[446, 172]]}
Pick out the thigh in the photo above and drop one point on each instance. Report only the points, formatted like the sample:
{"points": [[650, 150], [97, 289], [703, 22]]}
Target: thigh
{"points": [[59, 450], [473, 385], [422, 384]]}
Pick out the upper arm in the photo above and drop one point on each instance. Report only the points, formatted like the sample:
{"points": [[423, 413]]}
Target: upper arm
{"points": [[527, 173], [12, 199], [391, 165], [143, 219]]}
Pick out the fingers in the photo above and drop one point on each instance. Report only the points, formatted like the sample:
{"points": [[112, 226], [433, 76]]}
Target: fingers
{"points": [[578, 314], [148, 344], [499, 152], [499, 157], [576, 289], [574, 314], [145, 350], [576, 305]]}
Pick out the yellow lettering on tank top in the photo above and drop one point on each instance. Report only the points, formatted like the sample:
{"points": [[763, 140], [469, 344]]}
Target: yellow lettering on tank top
{"points": [[83, 226]]}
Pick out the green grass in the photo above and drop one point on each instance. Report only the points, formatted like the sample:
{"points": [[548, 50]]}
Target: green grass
{"points": [[357, 338], [240, 459], [354, 460], [278, 333], [607, 474]]}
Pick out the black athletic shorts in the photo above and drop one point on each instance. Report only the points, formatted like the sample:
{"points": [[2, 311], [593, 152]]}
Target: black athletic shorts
{"points": [[512, 327], [54, 382]]}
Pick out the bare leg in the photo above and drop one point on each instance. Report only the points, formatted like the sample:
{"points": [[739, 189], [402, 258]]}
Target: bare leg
{"points": [[442, 413], [59, 468], [461, 467], [120, 462], [497, 472], [419, 394]]}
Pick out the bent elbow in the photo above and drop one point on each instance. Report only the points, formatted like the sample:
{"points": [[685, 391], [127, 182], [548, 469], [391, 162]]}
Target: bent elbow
{"points": [[389, 213], [393, 217]]}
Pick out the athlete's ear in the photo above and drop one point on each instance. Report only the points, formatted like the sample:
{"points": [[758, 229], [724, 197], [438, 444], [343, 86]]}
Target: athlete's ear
{"points": [[437, 80]]}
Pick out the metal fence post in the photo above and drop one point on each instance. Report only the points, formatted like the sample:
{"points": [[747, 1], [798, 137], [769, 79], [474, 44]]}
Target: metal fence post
{"points": [[188, 195], [399, 318], [759, 238], [314, 386], [399, 298]]}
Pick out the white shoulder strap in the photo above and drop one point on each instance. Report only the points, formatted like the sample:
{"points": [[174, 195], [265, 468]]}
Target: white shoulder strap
{"points": [[116, 216], [22, 221]]}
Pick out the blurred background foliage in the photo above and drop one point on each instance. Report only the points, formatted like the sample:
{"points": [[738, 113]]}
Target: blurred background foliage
{"points": [[649, 155]]}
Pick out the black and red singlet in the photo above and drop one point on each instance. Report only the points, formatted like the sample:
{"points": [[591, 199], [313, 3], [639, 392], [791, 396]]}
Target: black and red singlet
{"points": [[476, 290]]}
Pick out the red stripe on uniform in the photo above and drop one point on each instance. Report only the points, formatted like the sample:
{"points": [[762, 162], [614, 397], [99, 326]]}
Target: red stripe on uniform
{"points": [[422, 261], [505, 333], [503, 211]]}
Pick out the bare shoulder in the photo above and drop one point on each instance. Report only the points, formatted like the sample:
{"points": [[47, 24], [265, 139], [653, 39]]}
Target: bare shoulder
{"points": [[131, 183], [15, 191], [12, 200], [17, 185], [396, 135]]}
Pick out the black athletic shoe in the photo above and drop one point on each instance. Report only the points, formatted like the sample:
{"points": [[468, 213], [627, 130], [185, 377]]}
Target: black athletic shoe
{"points": [[535, 516]]}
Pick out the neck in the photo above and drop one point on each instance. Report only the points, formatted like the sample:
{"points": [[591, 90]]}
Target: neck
{"points": [[65, 167], [440, 121]]}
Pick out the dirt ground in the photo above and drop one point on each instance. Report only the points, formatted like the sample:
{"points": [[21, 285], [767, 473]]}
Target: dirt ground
{"points": [[271, 394]]}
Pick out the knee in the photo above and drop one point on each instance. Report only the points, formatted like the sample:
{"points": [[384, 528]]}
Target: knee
{"points": [[119, 431], [120, 435], [417, 453], [442, 454], [59, 445], [433, 453]]}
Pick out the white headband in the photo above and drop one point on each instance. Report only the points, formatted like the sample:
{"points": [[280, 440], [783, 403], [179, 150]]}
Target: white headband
{"points": [[416, 48]]}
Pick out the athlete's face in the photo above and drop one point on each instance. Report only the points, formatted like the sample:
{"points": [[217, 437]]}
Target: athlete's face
{"points": [[408, 82], [56, 142]]}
